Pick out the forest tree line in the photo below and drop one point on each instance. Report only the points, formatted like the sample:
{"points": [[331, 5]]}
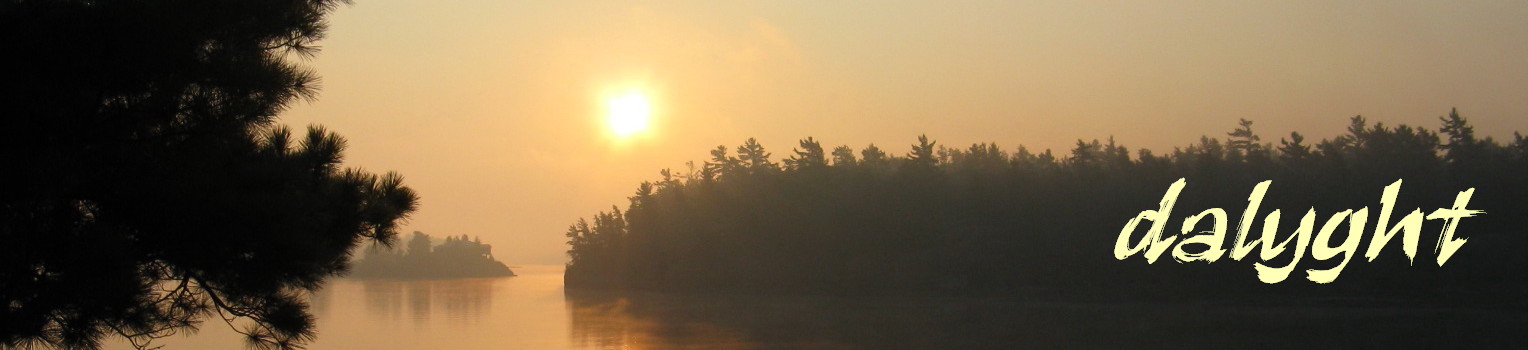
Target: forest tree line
{"points": [[984, 220]]}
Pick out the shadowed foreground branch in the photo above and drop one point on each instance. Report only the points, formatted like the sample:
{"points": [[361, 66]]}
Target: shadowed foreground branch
{"points": [[146, 186]]}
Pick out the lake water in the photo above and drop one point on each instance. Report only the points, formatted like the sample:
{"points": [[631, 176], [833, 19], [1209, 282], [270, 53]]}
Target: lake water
{"points": [[521, 312], [531, 311]]}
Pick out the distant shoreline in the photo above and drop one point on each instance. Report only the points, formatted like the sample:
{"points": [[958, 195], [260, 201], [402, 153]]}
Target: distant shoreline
{"points": [[455, 258]]}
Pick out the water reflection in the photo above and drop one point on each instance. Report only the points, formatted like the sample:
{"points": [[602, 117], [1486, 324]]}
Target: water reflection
{"points": [[608, 321], [384, 299], [646, 321], [464, 300], [532, 311], [419, 301]]}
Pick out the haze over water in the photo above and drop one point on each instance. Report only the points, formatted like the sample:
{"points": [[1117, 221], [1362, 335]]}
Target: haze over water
{"points": [[522, 312], [531, 311]]}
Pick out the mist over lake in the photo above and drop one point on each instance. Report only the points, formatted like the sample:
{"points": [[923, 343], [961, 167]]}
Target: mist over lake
{"points": [[531, 311]]}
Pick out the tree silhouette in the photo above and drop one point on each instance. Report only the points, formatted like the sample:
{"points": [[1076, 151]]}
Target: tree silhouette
{"points": [[722, 164], [810, 156], [844, 156], [922, 154], [873, 155], [754, 157], [419, 244], [148, 186], [1243, 141], [1294, 148]]}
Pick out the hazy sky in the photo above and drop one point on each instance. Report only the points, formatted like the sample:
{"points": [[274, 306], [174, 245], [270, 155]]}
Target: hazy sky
{"points": [[494, 110]]}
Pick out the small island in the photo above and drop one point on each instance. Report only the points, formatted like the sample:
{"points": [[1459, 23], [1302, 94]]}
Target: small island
{"points": [[456, 257]]}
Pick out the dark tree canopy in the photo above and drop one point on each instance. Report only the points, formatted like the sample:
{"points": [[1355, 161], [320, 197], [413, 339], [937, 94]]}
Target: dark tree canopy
{"points": [[146, 184]]}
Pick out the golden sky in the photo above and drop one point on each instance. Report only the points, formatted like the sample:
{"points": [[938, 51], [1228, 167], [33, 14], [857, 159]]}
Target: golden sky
{"points": [[494, 110]]}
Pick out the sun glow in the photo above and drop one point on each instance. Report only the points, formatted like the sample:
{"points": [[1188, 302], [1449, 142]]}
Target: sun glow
{"points": [[628, 114]]}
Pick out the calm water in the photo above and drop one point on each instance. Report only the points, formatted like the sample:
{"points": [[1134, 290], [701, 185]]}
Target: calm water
{"points": [[531, 311], [522, 312]]}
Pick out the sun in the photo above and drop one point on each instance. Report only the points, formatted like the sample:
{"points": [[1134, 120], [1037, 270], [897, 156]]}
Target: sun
{"points": [[628, 114]]}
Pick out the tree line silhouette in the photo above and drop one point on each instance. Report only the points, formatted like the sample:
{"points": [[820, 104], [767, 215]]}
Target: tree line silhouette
{"points": [[982, 220], [455, 257]]}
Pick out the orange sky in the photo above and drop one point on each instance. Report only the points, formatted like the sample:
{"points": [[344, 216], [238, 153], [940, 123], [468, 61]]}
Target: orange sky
{"points": [[491, 109]]}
